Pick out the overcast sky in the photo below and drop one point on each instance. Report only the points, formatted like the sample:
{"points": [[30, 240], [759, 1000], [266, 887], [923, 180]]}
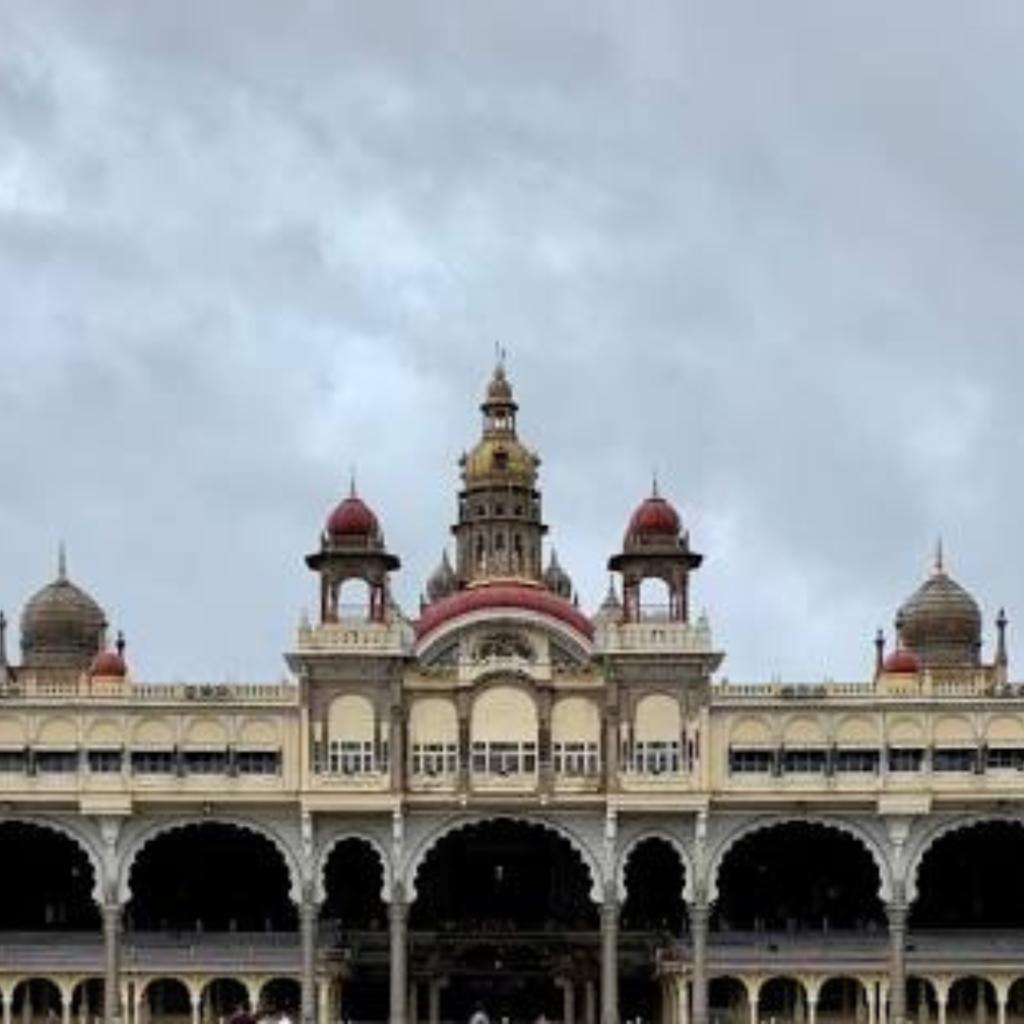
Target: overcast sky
{"points": [[773, 251]]}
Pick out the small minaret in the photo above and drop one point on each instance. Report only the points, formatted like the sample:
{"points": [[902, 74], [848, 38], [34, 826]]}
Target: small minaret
{"points": [[879, 651], [352, 548]]}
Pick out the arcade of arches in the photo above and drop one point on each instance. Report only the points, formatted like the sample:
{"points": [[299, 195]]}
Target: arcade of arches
{"points": [[504, 918]]}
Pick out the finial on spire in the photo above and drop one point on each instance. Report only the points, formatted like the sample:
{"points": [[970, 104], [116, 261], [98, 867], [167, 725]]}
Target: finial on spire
{"points": [[352, 480], [879, 650], [62, 562], [499, 358], [940, 562], [654, 482], [120, 644]]}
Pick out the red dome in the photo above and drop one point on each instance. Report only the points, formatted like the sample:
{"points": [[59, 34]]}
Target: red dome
{"points": [[502, 595], [901, 662], [108, 663], [655, 516], [353, 518]]}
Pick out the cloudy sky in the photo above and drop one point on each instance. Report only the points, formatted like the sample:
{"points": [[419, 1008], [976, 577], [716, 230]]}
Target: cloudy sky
{"points": [[773, 251]]}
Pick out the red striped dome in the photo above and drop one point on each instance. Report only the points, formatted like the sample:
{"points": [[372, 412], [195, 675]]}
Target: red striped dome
{"points": [[108, 663], [353, 518], [497, 596], [654, 517], [901, 662]]}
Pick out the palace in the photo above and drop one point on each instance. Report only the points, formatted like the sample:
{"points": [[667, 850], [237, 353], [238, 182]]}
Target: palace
{"points": [[504, 802]]}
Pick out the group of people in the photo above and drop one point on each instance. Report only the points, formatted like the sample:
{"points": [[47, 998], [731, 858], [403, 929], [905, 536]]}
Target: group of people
{"points": [[265, 1015]]}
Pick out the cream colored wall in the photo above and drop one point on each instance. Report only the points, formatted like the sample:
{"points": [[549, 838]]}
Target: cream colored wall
{"points": [[657, 718], [433, 720], [352, 718], [504, 713], [575, 720]]}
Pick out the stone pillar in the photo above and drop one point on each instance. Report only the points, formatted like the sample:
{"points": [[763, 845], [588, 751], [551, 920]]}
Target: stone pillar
{"points": [[869, 998], [610, 957], [589, 1003], [111, 963], [568, 1001], [65, 1006], [8, 1000], [434, 999], [754, 1008], [397, 738], [700, 915], [309, 913], [197, 1007], [682, 999], [398, 913], [324, 1000], [897, 912], [1000, 1007], [940, 1001], [414, 1001], [812, 1010]]}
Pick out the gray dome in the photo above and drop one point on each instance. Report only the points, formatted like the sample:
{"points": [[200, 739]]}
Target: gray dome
{"points": [[941, 622], [61, 627]]}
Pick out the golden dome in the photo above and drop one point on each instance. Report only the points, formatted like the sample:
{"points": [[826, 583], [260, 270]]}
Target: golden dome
{"points": [[500, 460]]}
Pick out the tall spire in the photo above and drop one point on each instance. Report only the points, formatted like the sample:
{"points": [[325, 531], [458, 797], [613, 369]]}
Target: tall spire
{"points": [[939, 565], [62, 562]]}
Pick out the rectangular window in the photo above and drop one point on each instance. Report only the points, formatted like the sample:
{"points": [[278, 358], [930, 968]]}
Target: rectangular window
{"points": [[206, 762], [351, 757], [906, 759], [657, 757], [434, 759], [753, 762], [13, 761], [864, 761], [811, 760], [57, 761], [954, 759], [504, 758], [153, 762], [576, 759], [1005, 758], [104, 761], [258, 762]]}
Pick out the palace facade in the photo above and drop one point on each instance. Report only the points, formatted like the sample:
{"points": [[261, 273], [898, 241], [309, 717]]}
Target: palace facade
{"points": [[505, 802]]}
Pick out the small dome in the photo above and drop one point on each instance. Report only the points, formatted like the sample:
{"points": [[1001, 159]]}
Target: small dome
{"points": [[61, 626], [499, 390], [353, 518], [442, 580], [109, 664], [941, 622], [901, 662], [655, 519]]}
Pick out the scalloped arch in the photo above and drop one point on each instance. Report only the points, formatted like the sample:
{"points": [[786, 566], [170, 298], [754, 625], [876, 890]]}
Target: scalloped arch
{"points": [[630, 848], [325, 855], [450, 827], [726, 844], [939, 831], [80, 839], [158, 829]]}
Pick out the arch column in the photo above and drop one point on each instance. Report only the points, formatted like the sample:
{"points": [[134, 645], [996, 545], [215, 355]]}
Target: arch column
{"points": [[610, 956], [112, 934], [398, 921], [700, 916], [309, 913], [897, 912]]}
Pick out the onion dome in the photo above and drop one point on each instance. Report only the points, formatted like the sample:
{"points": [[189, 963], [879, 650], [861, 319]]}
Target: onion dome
{"points": [[901, 662], [499, 390], [442, 580], [61, 625], [654, 523], [556, 579], [941, 622], [110, 664], [354, 519]]}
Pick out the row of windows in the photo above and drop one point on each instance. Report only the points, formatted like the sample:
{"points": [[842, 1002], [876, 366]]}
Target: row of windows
{"points": [[497, 758], [142, 762], [869, 761]]}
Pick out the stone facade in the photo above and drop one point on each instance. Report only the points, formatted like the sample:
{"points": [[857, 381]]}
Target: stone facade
{"points": [[503, 700]]}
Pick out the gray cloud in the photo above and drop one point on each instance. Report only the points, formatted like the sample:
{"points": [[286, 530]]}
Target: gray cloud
{"points": [[246, 246]]}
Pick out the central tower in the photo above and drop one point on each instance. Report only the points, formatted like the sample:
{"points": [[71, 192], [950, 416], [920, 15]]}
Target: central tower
{"points": [[499, 532]]}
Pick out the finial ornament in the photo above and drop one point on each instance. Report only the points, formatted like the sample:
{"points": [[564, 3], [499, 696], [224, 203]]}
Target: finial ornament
{"points": [[352, 481], [499, 358], [940, 561], [62, 562], [120, 644]]}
